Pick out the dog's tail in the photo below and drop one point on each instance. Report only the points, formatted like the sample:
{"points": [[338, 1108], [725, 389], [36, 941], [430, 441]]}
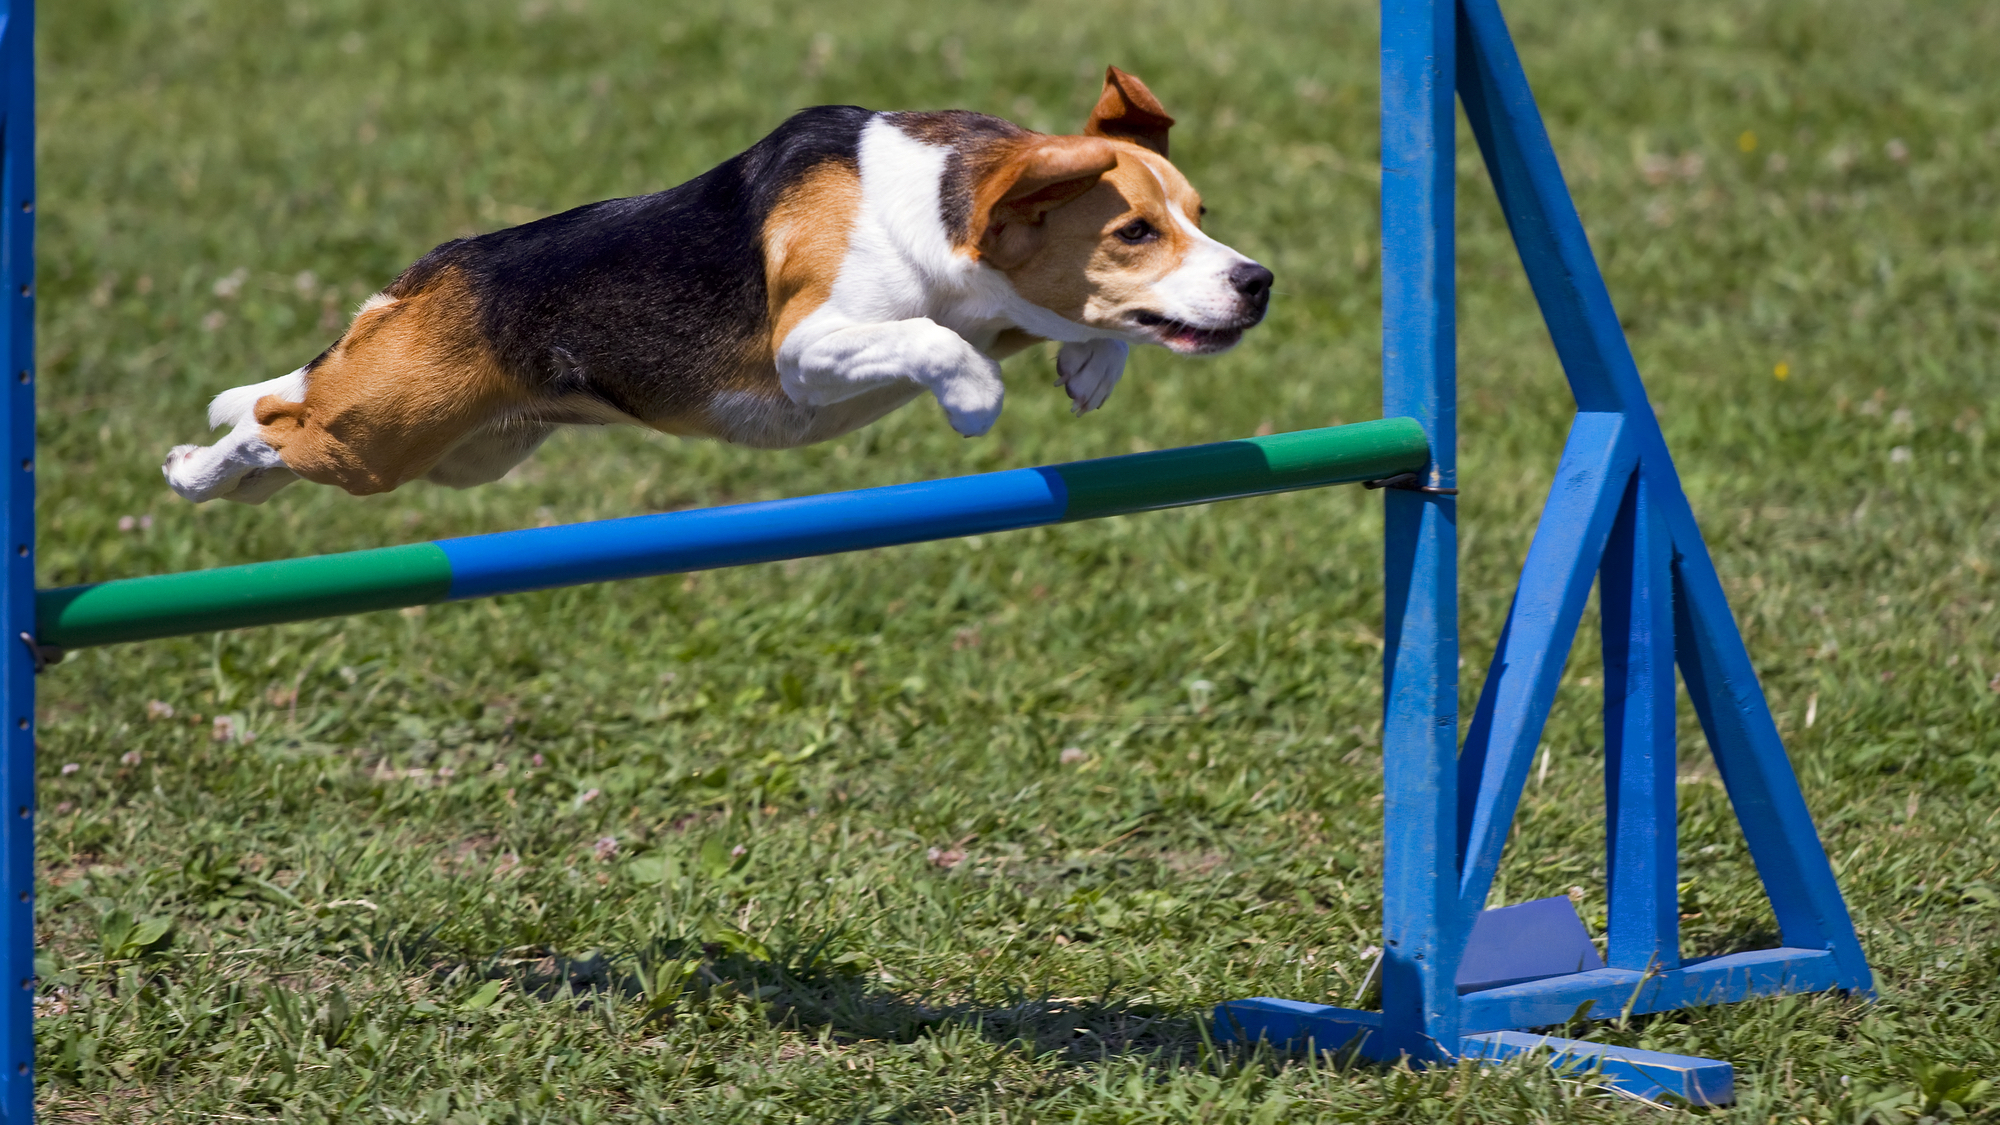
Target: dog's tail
{"points": [[237, 405]]}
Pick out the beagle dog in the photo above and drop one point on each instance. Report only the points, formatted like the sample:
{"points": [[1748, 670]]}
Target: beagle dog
{"points": [[841, 267]]}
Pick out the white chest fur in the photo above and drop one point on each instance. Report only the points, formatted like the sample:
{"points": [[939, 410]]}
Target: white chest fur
{"points": [[908, 308]]}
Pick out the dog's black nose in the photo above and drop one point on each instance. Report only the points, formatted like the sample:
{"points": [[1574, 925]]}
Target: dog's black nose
{"points": [[1251, 280]]}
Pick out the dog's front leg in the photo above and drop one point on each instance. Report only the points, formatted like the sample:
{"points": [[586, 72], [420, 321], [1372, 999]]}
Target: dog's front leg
{"points": [[850, 361], [1089, 370]]}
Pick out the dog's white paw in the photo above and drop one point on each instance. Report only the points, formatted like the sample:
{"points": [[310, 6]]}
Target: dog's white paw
{"points": [[240, 467], [972, 401], [183, 472], [1089, 370]]}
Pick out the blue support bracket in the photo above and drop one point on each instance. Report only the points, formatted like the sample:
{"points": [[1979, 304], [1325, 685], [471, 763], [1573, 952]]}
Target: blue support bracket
{"points": [[1294, 1026], [1616, 515], [1534, 644], [1525, 942]]}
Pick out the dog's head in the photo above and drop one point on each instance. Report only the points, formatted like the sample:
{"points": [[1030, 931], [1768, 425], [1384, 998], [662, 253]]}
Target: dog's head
{"points": [[1104, 231]]}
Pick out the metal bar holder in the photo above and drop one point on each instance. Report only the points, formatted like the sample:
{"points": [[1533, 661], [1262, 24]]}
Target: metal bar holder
{"points": [[1458, 981]]}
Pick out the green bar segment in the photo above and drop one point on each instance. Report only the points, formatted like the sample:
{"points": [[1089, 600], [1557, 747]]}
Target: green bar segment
{"points": [[231, 597], [1200, 473]]}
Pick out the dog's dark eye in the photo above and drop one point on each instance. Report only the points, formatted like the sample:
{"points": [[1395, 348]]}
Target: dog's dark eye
{"points": [[1137, 231]]}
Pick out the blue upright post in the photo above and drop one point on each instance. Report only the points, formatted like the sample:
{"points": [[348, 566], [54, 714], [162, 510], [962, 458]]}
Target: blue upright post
{"points": [[17, 430], [1423, 929], [1641, 864], [1616, 513]]}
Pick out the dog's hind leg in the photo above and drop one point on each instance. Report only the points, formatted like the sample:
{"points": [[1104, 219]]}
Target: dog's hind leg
{"points": [[242, 466], [485, 456], [411, 381]]}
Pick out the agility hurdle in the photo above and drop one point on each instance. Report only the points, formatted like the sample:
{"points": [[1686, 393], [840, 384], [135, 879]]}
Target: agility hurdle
{"points": [[1616, 513], [1457, 979]]}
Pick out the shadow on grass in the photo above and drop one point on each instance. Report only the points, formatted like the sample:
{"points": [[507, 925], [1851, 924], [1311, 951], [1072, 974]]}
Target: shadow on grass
{"points": [[1075, 1029], [1062, 1037], [800, 989]]}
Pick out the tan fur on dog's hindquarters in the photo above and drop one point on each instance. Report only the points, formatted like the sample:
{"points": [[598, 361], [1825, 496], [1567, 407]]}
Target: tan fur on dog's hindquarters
{"points": [[407, 383], [846, 264]]}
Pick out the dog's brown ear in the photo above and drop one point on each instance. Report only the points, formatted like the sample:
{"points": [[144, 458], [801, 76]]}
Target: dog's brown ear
{"points": [[1128, 111], [1039, 177]]}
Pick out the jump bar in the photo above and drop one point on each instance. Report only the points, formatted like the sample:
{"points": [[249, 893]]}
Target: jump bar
{"points": [[477, 566]]}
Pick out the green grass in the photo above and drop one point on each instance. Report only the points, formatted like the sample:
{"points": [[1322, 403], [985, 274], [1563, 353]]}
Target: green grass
{"points": [[978, 830]]}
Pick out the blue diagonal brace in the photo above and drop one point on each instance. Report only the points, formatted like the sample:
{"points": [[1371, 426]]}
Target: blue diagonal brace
{"points": [[1541, 625], [1582, 324]]}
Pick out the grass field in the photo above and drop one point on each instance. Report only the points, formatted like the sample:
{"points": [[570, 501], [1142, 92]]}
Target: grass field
{"points": [[978, 830]]}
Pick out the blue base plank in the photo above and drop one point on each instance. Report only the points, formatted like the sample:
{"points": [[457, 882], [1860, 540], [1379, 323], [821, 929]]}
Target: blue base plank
{"points": [[1294, 1026], [1707, 980], [1646, 1074], [1291, 1025]]}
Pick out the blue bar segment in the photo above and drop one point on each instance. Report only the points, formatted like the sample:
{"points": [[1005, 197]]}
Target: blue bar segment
{"points": [[1290, 1025], [1293, 1026], [510, 562], [1763, 789], [1554, 250], [1608, 993]]}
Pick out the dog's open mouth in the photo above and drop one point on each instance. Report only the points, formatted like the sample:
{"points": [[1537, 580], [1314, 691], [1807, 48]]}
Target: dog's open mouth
{"points": [[1188, 339]]}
